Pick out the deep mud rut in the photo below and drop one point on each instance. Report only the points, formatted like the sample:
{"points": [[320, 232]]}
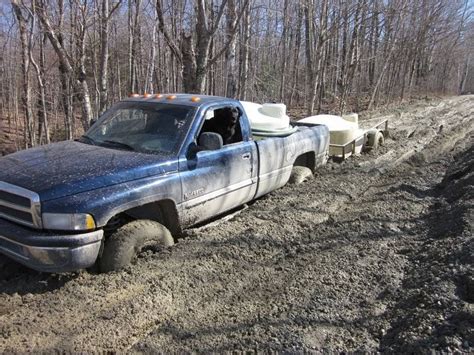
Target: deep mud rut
{"points": [[374, 254]]}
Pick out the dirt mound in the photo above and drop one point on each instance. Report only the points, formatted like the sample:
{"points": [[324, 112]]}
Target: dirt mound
{"points": [[374, 254], [433, 309], [458, 184]]}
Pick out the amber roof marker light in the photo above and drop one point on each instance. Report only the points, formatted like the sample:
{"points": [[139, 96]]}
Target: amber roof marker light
{"points": [[146, 95], [158, 96], [133, 95], [195, 99], [171, 97]]}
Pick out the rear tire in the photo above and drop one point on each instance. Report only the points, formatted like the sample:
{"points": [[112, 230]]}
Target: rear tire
{"points": [[123, 246], [300, 174]]}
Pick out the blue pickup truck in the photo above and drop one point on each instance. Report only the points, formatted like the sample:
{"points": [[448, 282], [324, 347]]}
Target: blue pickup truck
{"points": [[148, 168]]}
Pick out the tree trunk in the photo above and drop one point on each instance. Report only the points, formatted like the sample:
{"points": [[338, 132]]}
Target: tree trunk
{"points": [[462, 85], [43, 127], [189, 63], [104, 55], [42, 111], [231, 90], [309, 41], [296, 53], [151, 66], [194, 55], [131, 44], [81, 76], [284, 50], [244, 55], [66, 95], [25, 69], [65, 58]]}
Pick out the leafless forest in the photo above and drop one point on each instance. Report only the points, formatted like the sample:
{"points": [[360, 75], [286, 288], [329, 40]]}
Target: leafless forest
{"points": [[63, 62]]}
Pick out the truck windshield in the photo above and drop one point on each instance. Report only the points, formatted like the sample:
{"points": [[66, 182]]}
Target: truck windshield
{"points": [[141, 126]]}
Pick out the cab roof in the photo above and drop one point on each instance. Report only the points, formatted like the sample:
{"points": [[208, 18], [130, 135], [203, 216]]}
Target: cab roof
{"points": [[178, 99]]}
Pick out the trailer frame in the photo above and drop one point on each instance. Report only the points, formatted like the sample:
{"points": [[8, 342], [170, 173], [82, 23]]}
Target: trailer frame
{"points": [[353, 143]]}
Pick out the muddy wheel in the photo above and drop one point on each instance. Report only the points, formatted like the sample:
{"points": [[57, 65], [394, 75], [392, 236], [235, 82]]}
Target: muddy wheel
{"points": [[375, 139], [300, 174], [122, 247]]}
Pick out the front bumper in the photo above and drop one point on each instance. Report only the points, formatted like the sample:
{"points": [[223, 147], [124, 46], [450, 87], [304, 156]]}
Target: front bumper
{"points": [[48, 251]]}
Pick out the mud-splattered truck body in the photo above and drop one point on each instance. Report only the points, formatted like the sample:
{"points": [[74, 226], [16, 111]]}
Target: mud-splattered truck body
{"points": [[59, 202]]}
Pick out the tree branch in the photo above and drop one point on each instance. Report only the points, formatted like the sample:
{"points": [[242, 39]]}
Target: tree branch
{"points": [[214, 59], [219, 16], [161, 26]]}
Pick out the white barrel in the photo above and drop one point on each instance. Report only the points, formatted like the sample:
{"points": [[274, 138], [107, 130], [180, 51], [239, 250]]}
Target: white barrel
{"points": [[341, 131], [267, 117]]}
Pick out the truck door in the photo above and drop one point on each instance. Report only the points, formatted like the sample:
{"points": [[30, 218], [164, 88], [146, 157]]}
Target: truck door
{"points": [[215, 181]]}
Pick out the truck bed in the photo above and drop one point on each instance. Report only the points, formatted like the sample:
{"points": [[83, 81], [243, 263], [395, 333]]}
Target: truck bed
{"points": [[277, 155]]}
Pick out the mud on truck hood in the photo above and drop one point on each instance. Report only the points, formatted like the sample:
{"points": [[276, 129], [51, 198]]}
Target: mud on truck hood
{"points": [[67, 168]]}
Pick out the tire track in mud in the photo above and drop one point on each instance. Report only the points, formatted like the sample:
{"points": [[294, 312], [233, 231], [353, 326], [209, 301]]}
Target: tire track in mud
{"points": [[315, 266]]}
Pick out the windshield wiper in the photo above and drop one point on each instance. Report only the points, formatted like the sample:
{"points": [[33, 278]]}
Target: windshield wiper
{"points": [[118, 144], [88, 139]]}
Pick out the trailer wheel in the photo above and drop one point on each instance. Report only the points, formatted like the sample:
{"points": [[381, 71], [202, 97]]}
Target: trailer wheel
{"points": [[123, 246], [326, 158], [375, 139], [300, 174]]}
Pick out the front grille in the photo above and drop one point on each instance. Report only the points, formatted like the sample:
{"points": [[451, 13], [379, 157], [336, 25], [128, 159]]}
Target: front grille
{"points": [[16, 214], [15, 199], [20, 205]]}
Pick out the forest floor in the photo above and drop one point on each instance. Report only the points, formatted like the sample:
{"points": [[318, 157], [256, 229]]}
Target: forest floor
{"points": [[373, 254], [8, 133]]}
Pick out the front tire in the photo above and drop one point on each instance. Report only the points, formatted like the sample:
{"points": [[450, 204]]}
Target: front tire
{"points": [[123, 246]]}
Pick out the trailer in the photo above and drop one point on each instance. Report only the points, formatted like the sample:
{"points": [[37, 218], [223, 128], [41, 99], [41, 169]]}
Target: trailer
{"points": [[347, 138], [371, 140]]}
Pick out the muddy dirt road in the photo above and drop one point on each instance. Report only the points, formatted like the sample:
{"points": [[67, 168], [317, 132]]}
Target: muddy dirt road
{"points": [[373, 254]]}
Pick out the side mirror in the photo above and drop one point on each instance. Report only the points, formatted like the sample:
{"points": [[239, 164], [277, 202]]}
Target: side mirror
{"points": [[210, 141]]}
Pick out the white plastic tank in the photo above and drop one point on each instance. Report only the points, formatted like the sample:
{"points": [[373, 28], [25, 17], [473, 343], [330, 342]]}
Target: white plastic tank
{"points": [[268, 119], [342, 130]]}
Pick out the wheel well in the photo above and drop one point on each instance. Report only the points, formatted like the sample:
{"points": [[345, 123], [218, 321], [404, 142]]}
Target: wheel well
{"points": [[163, 212], [307, 160]]}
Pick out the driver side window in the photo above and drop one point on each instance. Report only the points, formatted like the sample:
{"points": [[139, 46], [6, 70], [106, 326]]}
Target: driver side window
{"points": [[224, 121]]}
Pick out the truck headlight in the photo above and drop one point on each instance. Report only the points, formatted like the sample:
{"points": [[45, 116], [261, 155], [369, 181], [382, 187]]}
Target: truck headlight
{"points": [[69, 221]]}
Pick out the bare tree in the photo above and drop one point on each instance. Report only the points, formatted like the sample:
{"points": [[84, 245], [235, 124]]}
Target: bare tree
{"points": [[231, 49], [151, 64], [244, 55], [284, 43], [39, 69], [104, 19], [25, 68], [65, 78], [66, 58], [314, 52], [193, 53]]}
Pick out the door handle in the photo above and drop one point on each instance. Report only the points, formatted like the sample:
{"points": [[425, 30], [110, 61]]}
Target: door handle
{"points": [[246, 156]]}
